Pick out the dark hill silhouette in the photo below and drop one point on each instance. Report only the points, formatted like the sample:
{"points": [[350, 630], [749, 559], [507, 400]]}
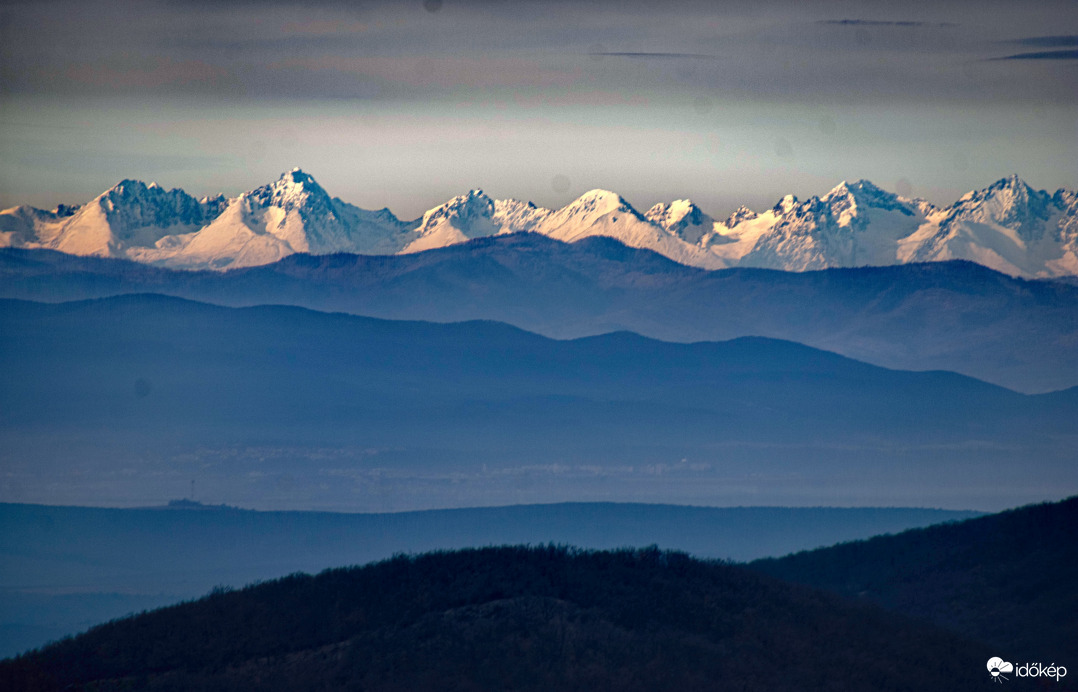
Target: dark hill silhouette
{"points": [[512, 618], [954, 316], [1010, 579], [67, 568]]}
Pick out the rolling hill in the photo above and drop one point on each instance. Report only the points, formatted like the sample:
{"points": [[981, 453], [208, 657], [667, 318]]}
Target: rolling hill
{"points": [[1008, 579], [67, 568], [946, 316], [513, 618], [129, 399]]}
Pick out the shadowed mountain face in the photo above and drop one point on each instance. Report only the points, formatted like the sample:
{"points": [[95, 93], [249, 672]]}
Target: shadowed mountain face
{"points": [[947, 316], [513, 618], [126, 400], [1007, 579]]}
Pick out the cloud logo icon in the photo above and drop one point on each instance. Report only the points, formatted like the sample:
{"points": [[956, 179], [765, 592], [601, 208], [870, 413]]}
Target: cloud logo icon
{"points": [[997, 667]]}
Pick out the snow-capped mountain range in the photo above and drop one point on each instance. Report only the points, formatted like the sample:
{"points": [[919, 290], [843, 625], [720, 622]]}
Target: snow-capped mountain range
{"points": [[1007, 226]]}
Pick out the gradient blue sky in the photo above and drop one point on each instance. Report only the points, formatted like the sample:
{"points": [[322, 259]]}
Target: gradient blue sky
{"points": [[406, 104]]}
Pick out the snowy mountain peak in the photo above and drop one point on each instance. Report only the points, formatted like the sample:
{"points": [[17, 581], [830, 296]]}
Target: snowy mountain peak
{"points": [[126, 187], [849, 202], [460, 219], [1010, 191], [127, 216], [475, 214], [682, 218], [1011, 181], [293, 191], [863, 191], [680, 208], [292, 214], [594, 210], [854, 224], [607, 214], [130, 205], [1011, 187], [297, 176], [1062, 197], [842, 189], [600, 202], [672, 213], [513, 216], [460, 210], [1007, 226], [869, 189], [740, 214], [1007, 202], [297, 180], [786, 204]]}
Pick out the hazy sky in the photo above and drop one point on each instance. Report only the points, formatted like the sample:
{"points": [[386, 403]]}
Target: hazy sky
{"points": [[406, 104]]}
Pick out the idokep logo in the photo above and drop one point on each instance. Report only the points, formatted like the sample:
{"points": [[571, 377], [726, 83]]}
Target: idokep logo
{"points": [[997, 667]]}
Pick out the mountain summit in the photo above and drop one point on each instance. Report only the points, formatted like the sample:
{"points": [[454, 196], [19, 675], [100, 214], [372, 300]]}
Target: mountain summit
{"points": [[1007, 226], [128, 216], [147, 224], [682, 218]]}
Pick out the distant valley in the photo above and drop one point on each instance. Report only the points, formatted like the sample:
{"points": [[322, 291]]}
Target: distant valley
{"points": [[282, 407]]}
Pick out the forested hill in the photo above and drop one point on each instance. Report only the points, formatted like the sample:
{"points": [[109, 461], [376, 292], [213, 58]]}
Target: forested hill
{"points": [[1009, 578], [512, 618]]}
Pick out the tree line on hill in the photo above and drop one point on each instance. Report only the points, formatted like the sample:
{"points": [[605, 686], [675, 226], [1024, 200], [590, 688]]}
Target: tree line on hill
{"points": [[526, 618]]}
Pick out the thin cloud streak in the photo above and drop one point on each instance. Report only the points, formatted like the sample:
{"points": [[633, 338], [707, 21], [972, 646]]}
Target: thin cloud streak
{"points": [[680, 98], [1043, 55], [877, 22], [523, 51], [643, 54]]}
